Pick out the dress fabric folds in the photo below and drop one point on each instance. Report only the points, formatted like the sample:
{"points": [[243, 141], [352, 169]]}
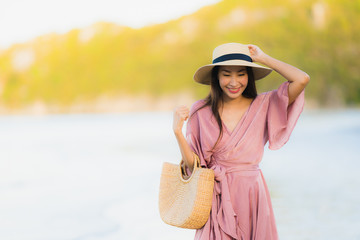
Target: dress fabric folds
{"points": [[241, 207]]}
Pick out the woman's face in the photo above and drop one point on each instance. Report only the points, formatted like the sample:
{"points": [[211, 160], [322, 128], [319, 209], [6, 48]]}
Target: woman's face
{"points": [[233, 81]]}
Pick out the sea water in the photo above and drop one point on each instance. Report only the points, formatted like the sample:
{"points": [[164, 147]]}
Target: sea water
{"points": [[96, 176]]}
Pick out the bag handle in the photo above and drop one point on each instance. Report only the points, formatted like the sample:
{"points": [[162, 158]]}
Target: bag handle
{"points": [[184, 175]]}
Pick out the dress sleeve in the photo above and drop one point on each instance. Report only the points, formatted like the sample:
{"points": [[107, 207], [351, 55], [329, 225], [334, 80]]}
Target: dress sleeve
{"points": [[281, 119], [193, 135]]}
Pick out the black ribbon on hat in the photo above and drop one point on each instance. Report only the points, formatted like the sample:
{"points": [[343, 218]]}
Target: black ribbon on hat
{"points": [[232, 56]]}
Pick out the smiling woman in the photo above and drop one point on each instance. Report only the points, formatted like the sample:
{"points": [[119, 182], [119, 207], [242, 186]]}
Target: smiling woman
{"points": [[241, 207], [232, 79]]}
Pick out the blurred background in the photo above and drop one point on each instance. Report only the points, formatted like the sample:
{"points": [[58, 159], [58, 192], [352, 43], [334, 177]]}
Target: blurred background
{"points": [[87, 90]]}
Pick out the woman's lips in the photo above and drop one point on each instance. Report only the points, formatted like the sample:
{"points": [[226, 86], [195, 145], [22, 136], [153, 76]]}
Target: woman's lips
{"points": [[234, 90]]}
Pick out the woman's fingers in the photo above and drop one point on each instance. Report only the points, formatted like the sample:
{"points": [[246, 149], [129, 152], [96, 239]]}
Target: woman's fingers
{"points": [[252, 49], [256, 53], [181, 114]]}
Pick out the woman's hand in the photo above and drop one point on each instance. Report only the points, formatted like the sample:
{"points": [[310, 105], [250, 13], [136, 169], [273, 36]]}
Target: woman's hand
{"points": [[256, 53], [181, 114]]}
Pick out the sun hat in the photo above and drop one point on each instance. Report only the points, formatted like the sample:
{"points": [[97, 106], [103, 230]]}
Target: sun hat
{"points": [[230, 54]]}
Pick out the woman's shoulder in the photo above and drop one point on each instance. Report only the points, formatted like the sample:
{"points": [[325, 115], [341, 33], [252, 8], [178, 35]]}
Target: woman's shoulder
{"points": [[198, 103], [277, 92], [197, 106], [260, 97], [266, 95]]}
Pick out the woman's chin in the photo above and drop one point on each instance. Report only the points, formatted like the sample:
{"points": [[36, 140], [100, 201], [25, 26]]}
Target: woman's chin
{"points": [[233, 96]]}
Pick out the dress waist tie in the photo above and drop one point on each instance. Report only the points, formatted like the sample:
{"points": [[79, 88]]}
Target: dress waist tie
{"points": [[222, 212]]}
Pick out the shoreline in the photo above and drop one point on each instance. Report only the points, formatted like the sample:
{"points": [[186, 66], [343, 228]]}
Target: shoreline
{"points": [[127, 103], [105, 104]]}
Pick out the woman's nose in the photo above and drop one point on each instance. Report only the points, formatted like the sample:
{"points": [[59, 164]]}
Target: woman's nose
{"points": [[233, 79]]}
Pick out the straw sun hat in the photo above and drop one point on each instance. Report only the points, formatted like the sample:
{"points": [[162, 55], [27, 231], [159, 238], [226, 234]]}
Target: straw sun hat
{"points": [[230, 54]]}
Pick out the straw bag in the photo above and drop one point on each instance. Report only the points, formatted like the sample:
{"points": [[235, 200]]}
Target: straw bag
{"points": [[185, 201]]}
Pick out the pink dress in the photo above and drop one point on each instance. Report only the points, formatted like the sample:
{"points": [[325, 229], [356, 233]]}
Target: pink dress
{"points": [[242, 206]]}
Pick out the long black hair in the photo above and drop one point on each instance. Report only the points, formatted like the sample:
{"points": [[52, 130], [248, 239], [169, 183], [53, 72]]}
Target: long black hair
{"points": [[215, 97]]}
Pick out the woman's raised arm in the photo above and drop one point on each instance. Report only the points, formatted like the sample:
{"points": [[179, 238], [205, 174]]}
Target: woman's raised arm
{"points": [[297, 78], [181, 114]]}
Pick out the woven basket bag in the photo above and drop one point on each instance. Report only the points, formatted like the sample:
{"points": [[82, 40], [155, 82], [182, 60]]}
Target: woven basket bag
{"points": [[185, 202]]}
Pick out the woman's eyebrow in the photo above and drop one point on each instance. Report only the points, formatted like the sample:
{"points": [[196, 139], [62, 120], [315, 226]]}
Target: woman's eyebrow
{"points": [[225, 70]]}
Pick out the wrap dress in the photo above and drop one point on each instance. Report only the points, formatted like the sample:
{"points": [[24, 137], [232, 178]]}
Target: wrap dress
{"points": [[241, 205]]}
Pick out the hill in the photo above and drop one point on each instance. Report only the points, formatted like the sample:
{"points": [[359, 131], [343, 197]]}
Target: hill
{"points": [[105, 59]]}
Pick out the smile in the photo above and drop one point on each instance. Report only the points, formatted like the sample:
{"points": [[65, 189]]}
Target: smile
{"points": [[234, 90]]}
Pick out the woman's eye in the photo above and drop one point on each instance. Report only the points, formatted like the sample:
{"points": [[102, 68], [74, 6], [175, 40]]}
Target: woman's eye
{"points": [[241, 74]]}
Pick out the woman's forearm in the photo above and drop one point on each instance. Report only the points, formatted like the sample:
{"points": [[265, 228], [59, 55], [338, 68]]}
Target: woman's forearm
{"points": [[297, 78], [288, 71], [186, 152]]}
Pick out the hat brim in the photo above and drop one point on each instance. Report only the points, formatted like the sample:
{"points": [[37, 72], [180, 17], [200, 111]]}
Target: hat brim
{"points": [[203, 74]]}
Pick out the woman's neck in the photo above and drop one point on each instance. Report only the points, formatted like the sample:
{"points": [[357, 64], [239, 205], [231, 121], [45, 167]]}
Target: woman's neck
{"points": [[240, 101]]}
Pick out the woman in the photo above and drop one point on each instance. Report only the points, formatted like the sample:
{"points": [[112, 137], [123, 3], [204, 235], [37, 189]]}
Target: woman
{"points": [[228, 131]]}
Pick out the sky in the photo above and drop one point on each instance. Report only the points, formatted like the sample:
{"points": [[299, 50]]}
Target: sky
{"points": [[23, 20]]}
